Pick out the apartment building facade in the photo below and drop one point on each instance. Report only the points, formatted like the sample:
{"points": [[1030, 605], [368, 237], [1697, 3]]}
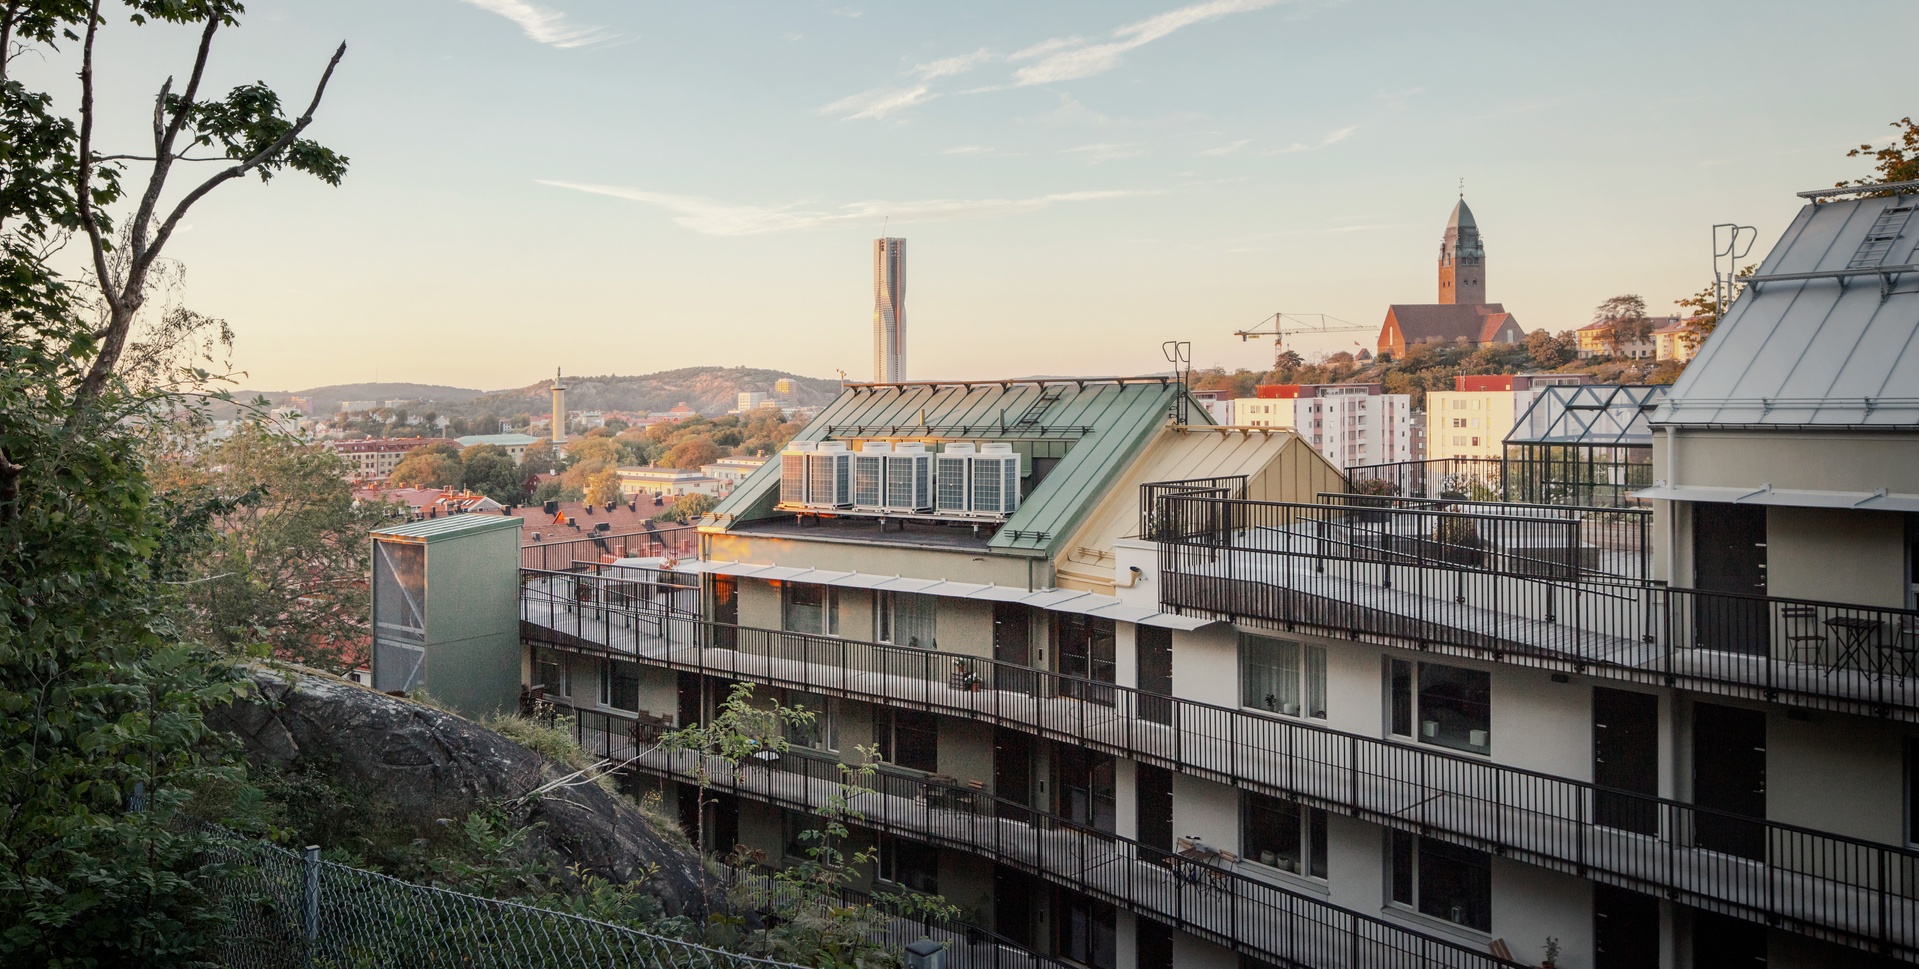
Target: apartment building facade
{"points": [[374, 459], [1351, 424], [1472, 419]]}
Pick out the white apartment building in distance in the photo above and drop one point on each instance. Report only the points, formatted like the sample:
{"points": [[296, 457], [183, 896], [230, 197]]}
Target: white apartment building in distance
{"points": [[1351, 424], [1472, 419]]}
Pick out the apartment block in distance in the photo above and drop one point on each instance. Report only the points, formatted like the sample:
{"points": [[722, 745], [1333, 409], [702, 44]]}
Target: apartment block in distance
{"points": [[1351, 424], [1472, 419], [374, 459]]}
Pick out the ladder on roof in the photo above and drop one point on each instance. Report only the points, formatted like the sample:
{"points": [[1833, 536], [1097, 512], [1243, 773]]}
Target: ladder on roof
{"points": [[1048, 396], [1879, 239]]}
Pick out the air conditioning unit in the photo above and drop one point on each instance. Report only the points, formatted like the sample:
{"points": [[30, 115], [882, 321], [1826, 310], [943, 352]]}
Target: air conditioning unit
{"points": [[995, 480], [909, 479], [829, 476], [793, 472], [952, 483], [869, 476]]}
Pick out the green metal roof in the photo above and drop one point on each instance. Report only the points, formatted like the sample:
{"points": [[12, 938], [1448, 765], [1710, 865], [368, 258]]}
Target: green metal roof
{"points": [[1105, 423], [451, 526], [502, 440]]}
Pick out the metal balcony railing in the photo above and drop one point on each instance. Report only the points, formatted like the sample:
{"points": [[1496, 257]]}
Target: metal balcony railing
{"points": [[1846, 890], [1208, 899], [564, 554], [1544, 473], [1287, 565]]}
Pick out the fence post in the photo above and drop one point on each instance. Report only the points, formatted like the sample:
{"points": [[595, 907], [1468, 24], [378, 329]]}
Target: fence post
{"points": [[310, 912]]}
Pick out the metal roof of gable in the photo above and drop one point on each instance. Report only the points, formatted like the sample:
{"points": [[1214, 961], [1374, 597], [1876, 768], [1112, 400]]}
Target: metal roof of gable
{"points": [[1107, 421], [451, 526], [1825, 334]]}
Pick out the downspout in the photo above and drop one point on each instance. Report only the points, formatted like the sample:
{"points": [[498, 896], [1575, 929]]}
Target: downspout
{"points": [[1672, 513]]}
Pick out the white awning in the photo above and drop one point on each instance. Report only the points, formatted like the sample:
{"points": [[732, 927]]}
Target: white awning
{"points": [[1880, 500], [1052, 600]]}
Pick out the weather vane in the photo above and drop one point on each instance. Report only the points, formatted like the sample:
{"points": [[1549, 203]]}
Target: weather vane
{"points": [[1462, 186]]}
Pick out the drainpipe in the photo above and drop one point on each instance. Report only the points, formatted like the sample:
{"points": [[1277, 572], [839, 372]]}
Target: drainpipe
{"points": [[1672, 512]]}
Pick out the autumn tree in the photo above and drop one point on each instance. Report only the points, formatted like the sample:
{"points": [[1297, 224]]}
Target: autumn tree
{"points": [[688, 509], [588, 457], [429, 466], [540, 458], [1623, 322], [603, 487], [1898, 161], [1547, 351], [1702, 308], [690, 455]]}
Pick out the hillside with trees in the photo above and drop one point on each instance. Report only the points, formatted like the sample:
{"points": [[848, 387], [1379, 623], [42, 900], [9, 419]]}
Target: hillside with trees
{"points": [[708, 390]]}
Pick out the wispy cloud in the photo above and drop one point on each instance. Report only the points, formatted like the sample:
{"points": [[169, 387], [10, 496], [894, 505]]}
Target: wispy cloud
{"points": [[968, 150], [880, 102], [1072, 58], [715, 218], [1331, 139], [1057, 59], [1107, 152], [545, 26], [1225, 149]]}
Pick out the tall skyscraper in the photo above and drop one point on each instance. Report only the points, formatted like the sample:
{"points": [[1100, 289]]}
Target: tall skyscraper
{"points": [[1462, 260], [559, 409], [889, 310]]}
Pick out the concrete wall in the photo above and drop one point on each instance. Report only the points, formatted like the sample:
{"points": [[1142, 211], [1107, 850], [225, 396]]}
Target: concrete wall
{"points": [[1816, 461], [1836, 555], [966, 750], [963, 565], [1838, 773], [1207, 810]]}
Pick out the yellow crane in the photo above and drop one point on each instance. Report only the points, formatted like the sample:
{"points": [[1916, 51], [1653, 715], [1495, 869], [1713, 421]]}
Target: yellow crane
{"points": [[1284, 325]]}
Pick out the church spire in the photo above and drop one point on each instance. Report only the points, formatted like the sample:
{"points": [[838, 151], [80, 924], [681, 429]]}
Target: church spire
{"points": [[1462, 257]]}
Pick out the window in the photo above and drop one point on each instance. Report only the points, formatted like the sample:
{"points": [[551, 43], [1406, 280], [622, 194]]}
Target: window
{"points": [[794, 844], [1448, 705], [906, 619], [549, 672], [1282, 834], [1282, 677], [1088, 931], [1085, 648], [822, 733], [1442, 880], [810, 608], [911, 865], [909, 739], [620, 685]]}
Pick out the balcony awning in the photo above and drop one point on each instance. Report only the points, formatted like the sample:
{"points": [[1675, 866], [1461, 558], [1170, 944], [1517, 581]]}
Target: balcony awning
{"points": [[1879, 500], [1053, 600]]}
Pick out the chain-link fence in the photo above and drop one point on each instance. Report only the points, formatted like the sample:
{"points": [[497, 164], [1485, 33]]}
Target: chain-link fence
{"points": [[292, 910]]}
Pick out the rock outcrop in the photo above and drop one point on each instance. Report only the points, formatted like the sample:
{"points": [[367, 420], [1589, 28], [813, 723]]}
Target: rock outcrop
{"points": [[427, 762]]}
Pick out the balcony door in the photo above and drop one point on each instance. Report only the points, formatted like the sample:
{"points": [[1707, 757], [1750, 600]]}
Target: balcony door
{"points": [[1013, 648], [1626, 759], [1729, 776], [1153, 648], [1729, 558], [1012, 771], [1625, 928]]}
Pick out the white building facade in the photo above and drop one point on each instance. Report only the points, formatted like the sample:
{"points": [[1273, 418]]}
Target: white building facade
{"points": [[1351, 424]]}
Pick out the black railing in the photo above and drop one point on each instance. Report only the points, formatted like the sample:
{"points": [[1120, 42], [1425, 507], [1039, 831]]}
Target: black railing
{"points": [[1206, 898], [1480, 479], [1231, 486], [561, 554], [1842, 889], [1270, 570], [1544, 474]]}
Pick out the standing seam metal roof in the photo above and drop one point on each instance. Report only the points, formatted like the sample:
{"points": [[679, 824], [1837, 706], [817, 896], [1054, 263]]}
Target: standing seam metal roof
{"points": [[1107, 422], [1814, 351]]}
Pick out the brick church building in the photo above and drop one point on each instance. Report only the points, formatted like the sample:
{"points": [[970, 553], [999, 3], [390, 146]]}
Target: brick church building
{"points": [[1461, 316]]}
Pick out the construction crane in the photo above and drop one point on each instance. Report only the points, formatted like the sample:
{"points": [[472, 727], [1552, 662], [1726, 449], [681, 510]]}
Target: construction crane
{"points": [[1290, 324]]}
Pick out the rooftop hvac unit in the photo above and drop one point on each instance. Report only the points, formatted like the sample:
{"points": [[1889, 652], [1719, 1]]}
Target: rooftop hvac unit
{"points": [[909, 479], [995, 480], [793, 472], [869, 476], [951, 482], [829, 476]]}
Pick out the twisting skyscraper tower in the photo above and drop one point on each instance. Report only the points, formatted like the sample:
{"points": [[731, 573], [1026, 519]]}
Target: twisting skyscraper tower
{"points": [[889, 310]]}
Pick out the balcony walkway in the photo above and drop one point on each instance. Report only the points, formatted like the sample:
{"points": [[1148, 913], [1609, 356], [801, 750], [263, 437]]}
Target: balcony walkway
{"points": [[1817, 884]]}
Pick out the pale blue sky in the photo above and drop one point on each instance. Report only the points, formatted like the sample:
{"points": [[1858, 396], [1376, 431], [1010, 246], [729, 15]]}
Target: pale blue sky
{"points": [[613, 186]]}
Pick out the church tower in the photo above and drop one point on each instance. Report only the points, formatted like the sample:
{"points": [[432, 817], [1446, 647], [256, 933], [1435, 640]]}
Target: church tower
{"points": [[1462, 260]]}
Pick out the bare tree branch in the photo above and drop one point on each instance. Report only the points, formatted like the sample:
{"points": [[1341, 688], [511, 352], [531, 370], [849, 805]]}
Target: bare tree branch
{"points": [[163, 142], [84, 189]]}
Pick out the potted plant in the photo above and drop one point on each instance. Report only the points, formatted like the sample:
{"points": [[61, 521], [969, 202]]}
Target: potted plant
{"points": [[1552, 954]]}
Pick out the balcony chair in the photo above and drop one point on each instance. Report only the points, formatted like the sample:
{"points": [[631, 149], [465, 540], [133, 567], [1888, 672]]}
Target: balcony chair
{"points": [[1805, 635]]}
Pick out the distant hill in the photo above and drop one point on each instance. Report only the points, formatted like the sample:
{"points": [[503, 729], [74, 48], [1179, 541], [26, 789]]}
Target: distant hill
{"points": [[709, 390], [326, 400]]}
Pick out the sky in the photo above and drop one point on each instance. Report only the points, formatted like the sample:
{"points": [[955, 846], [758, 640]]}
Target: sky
{"points": [[612, 186]]}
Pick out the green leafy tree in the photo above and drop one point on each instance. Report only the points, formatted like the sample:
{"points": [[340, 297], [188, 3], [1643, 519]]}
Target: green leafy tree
{"points": [[1702, 308], [491, 471], [428, 467], [1623, 322], [552, 489], [540, 458], [603, 488], [688, 509], [1548, 352]]}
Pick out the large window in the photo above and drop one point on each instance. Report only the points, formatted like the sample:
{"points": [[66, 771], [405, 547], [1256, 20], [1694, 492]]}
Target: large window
{"points": [[822, 732], [909, 739], [911, 865], [1442, 880], [1447, 706], [1087, 791], [1283, 834], [550, 673], [620, 684], [1088, 931], [905, 619], [1279, 676], [810, 608]]}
